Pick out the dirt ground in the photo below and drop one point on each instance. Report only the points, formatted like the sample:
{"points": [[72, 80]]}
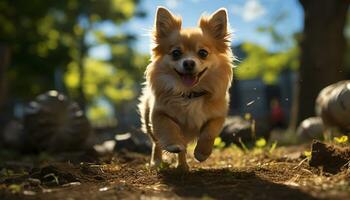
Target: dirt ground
{"points": [[229, 173]]}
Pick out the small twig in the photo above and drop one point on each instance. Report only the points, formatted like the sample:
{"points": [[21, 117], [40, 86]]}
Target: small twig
{"points": [[301, 162]]}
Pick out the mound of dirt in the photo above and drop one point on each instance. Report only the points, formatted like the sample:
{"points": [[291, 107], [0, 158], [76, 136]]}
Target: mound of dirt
{"points": [[330, 157]]}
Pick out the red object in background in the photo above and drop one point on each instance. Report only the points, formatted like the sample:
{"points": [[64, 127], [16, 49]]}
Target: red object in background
{"points": [[277, 114]]}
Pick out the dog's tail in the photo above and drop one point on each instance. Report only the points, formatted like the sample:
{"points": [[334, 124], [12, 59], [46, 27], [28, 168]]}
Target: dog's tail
{"points": [[144, 110]]}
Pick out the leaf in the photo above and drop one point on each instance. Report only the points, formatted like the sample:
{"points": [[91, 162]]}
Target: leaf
{"points": [[247, 116], [244, 147], [260, 143], [307, 154], [273, 147], [341, 140], [218, 143], [15, 188]]}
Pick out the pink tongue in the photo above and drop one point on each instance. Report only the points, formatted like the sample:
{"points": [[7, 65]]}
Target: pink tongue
{"points": [[189, 80]]}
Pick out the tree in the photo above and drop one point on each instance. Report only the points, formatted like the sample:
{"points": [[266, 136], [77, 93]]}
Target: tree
{"points": [[347, 54], [322, 50], [4, 58], [261, 63], [44, 36]]}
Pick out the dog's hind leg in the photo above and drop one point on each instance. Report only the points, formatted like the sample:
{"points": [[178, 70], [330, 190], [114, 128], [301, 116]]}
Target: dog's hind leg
{"points": [[182, 162], [156, 158]]}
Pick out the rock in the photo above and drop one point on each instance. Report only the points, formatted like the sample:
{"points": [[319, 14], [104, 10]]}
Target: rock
{"points": [[132, 141], [135, 141], [236, 128], [333, 105], [311, 128], [330, 157], [53, 123], [106, 147]]}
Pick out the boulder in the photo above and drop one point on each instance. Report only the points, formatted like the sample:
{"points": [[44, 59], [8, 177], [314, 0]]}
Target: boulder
{"points": [[54, 123], [235, 129], [333, 106], [311, 128], [135, 141]]}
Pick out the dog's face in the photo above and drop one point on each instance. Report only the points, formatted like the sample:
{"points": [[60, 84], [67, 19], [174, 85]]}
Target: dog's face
{"points": [[185, 56]]}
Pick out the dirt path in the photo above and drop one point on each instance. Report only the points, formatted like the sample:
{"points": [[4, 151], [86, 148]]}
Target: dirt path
{"points": [[228, 174]]}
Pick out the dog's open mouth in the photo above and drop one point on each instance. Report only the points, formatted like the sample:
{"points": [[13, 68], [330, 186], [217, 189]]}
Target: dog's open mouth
{"points": [[190, 79]]}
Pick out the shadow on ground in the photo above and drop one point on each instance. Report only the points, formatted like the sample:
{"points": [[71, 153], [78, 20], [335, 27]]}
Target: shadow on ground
{"points": [[228, 184]]}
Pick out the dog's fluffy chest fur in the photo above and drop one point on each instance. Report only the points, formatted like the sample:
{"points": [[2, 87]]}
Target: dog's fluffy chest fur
{"points": [[189, 112]]}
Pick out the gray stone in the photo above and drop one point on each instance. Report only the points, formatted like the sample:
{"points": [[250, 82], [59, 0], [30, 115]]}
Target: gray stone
{"points": [[333, 106], [236, 128], [54, 123], [311, 128]]}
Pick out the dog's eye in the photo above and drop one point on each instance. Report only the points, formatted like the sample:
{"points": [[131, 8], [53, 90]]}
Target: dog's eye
{"points": [[176, 54], [203, 53]]}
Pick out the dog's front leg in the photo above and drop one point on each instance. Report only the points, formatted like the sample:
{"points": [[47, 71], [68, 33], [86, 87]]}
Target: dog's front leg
{"points": [[206, 139], [168, 133]]}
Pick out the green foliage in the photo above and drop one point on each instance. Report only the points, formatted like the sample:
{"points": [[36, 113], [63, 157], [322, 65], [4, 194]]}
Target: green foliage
{"points": [[260, 143], [261, 63], [308, 154], [218, 143], [273, 147], [15, 188], [46, 37], [244, 147], [341, 140], [101, 79], [270, 29], [98, 113], [163, 166]]}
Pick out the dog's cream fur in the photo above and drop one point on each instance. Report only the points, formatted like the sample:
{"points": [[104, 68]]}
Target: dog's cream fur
{"points": [[171, 119]]}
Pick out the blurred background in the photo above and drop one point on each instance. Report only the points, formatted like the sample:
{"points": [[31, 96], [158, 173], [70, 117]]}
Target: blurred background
{"points": [[95, 53]]}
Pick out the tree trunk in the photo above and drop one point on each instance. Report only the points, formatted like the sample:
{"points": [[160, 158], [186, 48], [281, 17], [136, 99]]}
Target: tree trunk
{"points": [[322, 50], [4, 61], [81, 91]]}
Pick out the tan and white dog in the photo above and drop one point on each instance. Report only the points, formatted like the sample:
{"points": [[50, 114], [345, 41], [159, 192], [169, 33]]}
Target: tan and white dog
{"points": [[185, 97]]}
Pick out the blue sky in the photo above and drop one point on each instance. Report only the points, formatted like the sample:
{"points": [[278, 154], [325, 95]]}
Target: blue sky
{"points": [[245, 17]]}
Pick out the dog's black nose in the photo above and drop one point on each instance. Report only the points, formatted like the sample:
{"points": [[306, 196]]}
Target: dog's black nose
{"points": [[189, 65]]}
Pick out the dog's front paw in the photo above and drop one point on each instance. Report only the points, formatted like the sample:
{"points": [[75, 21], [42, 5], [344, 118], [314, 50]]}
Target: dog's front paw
{"points": [[200, 156], [175, 148]]}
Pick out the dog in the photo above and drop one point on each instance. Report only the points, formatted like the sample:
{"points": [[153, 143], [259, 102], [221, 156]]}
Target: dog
{"points": [[185, 97]]}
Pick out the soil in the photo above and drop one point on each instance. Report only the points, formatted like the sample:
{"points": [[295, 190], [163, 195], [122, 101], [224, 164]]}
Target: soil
{"points": [[330, 157], [230, 173]]}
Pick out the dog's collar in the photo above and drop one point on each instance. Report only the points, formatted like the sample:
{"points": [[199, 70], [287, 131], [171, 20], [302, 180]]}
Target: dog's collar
{"points": [[192, 95]]}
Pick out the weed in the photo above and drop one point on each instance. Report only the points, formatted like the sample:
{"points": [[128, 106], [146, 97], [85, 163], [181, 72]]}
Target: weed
{"points": [[273, 147], [260, 143], [341, 140], [307, 154], [218, 143]]}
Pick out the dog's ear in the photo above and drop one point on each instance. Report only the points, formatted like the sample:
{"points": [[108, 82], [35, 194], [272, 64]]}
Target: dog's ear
{"points": [[166, 23], [216, 24]]}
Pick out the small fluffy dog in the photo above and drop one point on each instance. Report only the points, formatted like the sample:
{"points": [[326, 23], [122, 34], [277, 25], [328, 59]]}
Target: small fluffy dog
{"points": [[185, 97]]}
